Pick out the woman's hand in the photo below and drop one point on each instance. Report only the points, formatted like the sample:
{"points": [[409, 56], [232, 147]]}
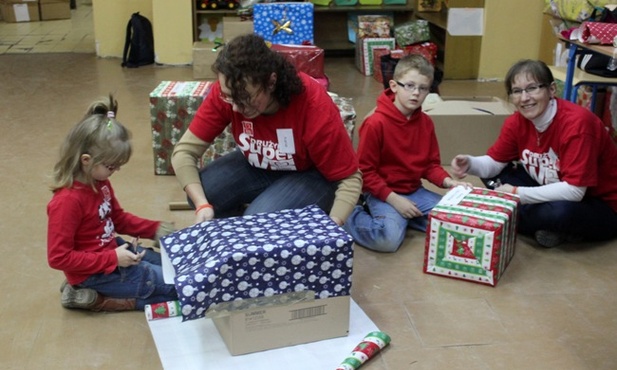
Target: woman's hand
{"points": [[506, 188], [460, 166], [204, 214], [127, 257]]}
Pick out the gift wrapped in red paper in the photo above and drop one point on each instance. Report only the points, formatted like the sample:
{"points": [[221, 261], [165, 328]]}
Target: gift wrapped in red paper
{"points": [[306, 58]]}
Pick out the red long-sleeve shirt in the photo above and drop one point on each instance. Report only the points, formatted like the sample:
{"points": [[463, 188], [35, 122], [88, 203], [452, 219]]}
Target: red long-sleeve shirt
{"points": [[82, 225], [395, 152]]}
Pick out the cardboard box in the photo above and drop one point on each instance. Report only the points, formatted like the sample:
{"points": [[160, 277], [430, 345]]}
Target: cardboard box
{"points": [[173, 105], [204, 55], [269, 327], [261, 255], [20, 11], [471, 235], [466, 125], [234, 26], [55, 10]]}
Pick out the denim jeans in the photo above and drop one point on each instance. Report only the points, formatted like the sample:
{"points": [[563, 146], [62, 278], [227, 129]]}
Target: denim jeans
{"points": [[230, 182], [591, 218], [144, 281], [383, 229]]}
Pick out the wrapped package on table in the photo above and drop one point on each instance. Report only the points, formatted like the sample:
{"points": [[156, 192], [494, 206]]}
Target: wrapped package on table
{"points": [[471, 235], [266, 254], [284, 23], [306, 58]]}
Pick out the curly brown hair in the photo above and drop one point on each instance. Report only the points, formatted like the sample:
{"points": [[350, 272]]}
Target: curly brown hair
{"points": [[248, 59]]}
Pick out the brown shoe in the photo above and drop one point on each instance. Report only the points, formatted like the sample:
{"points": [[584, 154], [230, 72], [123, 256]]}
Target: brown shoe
{"points": [[107, 304]]}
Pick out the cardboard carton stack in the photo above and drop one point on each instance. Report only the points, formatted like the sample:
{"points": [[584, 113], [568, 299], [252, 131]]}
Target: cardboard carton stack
{"points": [[20, 10]]}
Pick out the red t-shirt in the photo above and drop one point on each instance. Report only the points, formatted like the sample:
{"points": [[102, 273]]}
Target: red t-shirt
{"points": [[307, 134], [395, 152], [576, 148], [82, 226]]}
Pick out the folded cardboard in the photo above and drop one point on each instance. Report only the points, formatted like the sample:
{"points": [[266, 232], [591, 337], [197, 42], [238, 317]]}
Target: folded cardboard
{"points": [[263, 328], [20, 11], [471, 235], [466, 125]]}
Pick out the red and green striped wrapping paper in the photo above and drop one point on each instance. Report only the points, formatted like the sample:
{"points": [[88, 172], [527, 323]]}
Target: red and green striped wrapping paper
{"points": [[471, 235]]}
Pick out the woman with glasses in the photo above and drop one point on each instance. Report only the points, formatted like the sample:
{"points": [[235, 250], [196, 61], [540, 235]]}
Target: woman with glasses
{"points": [[292, 147], [557, 156]]}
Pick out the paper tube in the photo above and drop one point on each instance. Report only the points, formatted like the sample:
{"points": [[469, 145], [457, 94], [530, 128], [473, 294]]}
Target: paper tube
{"points": [[365, 350]]}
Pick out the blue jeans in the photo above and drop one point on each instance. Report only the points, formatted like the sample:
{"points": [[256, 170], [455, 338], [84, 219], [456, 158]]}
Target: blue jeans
{"points": [[591, 219], [382, 228], [144, 281], [230, 183]]}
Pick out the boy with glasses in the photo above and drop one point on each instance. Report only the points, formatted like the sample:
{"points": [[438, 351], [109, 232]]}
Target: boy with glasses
{"points": [[557, 156], [397, 149]]}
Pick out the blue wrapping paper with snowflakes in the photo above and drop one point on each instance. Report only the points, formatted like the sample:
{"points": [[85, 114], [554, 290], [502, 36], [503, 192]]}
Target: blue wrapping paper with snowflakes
{"points": [[259, 255], [284, 23]]}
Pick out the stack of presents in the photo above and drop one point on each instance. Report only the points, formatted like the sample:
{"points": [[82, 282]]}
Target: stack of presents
{"points": [[287, 275], [34, 10]]}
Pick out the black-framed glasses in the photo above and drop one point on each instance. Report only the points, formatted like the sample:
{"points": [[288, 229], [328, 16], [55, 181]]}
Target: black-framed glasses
{"points": [[530, 90], [412, 87]]}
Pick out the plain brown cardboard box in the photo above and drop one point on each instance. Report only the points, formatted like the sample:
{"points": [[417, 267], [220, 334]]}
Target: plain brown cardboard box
{"points": [[204, 55], [55, 10], [466, 125], [19, 11], [263, 328], [234, 26]]}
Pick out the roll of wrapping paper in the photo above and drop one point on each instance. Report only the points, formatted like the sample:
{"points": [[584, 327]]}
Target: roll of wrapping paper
{"points": [[162, 310], [365, 350]]}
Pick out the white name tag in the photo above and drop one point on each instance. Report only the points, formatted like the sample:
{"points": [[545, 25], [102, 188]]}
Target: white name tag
{"points": [[286, 140]]}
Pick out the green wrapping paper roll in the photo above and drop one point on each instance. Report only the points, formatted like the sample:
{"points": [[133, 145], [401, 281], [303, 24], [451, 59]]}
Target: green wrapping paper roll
{"points": [[365, 350]]}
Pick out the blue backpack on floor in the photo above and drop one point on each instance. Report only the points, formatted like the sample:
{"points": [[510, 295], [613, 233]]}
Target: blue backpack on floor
{"points": [[139, 44]]}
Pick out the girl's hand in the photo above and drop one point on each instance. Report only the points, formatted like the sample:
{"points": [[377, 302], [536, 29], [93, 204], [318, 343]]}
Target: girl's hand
{"points": [[126, 257]]}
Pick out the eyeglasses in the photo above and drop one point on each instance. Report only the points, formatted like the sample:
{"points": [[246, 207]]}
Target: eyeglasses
{"points": [[530, 90], [411, 87], [229, 100]]}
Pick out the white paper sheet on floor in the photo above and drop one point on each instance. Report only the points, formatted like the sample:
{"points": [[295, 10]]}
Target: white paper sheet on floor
{"points": [[196, 344]]}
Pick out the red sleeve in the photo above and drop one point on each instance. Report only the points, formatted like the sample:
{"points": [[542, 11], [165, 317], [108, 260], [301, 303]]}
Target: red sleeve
{"points": [[329, 146], [369, 150], [212, 116], [65, 224]]}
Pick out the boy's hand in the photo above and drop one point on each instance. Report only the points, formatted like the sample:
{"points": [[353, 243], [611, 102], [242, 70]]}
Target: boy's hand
{"points": [[460, 166], [404, 206]]}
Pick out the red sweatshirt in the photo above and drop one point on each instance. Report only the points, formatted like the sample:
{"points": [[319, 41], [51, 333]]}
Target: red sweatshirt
{"points": [[396, 153], [82, 226]]}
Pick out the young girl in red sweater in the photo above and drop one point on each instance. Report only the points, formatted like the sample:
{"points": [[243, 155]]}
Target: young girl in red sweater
{"points": [[103, 272]]}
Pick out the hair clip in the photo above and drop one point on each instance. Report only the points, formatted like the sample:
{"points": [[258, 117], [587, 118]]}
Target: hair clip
{"points": [[110, 124], [111, 114]]}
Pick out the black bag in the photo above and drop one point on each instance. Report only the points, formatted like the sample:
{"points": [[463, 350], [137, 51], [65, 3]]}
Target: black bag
{"points": [[597, 64], [139, 44]]}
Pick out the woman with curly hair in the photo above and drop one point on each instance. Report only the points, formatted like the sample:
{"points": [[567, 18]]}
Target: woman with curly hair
{"points": [[292, 147]]}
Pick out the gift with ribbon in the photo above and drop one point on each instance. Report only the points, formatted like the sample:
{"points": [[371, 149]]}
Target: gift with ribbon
{"points": [[284, 23], [597, 33]]}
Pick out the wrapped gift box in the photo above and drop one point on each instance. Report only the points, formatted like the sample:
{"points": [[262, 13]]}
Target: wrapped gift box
{"points": [[306, 58], [427, 49], [284, 23], [411, 32], [364, 52], [172, 107], [347, 111], [353, 22], [471, 235], [258, 255], [374, 26]]}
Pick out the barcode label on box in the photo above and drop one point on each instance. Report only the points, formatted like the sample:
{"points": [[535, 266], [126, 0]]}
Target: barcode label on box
{"points": [[308, 312]]}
